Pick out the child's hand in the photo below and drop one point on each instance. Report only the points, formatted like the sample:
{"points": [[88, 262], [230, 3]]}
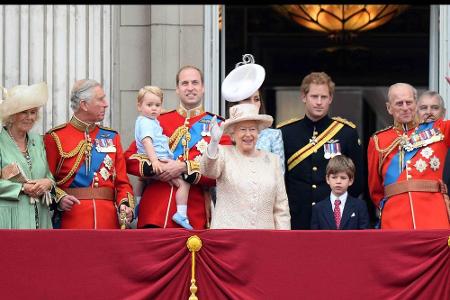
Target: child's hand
{"points": [[157, 167]]}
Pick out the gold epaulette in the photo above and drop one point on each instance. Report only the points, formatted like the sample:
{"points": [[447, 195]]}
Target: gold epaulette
{"points": [[344, 121], [57, 128], [381, 130], [287, 122], [218, 117], [107, 128]]}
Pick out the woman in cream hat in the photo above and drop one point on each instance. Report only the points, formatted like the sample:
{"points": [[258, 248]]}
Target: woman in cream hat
{"points": [[250, 186], [242, 86], [25, 180]]}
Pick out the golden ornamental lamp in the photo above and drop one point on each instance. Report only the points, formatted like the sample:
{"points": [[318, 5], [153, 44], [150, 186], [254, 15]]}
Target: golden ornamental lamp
{"points": [[341, 21]]}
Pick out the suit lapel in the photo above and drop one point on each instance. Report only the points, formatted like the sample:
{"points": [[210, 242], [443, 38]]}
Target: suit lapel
{"points": [[329, 214], [348, 210]]}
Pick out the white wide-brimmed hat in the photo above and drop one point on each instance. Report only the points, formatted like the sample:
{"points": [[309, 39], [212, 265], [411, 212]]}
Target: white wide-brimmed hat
{"points": [[243, 81], [246, 112], [23, 97]]}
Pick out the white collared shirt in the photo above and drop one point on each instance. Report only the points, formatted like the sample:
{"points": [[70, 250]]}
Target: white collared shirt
{"points": [[343, 199]]}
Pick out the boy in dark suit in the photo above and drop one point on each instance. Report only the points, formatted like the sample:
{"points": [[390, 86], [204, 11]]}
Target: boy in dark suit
{"points": [[340, 210]]}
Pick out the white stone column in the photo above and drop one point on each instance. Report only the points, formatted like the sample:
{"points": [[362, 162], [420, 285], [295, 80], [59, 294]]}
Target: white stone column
{"points": [[212, 59], [56, 44], [444, 55], [176, 40]]}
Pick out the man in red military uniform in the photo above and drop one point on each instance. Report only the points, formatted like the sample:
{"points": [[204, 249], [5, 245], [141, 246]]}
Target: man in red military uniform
{"points": [[188, 130], [405, 164], [88, 165]]}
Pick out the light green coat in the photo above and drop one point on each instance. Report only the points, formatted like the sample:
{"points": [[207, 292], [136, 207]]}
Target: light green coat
{"points": [[16, 212]]}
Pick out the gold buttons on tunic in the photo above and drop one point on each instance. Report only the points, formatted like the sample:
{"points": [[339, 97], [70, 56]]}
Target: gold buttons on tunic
{"points": [[314, 186], [314, 168]]}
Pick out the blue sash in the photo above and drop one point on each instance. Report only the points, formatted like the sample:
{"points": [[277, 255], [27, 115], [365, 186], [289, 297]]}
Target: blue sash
{"points": [[83, 180], [393, 172], [195, 131]]}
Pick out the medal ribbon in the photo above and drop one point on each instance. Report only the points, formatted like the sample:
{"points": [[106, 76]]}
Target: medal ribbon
{"points": [[393, 172], [81, 178], [308, 149]]}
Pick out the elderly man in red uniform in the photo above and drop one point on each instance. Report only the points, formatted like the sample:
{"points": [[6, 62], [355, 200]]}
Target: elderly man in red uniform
{"points": [[188, 130], [87, 162], [405, 163]]}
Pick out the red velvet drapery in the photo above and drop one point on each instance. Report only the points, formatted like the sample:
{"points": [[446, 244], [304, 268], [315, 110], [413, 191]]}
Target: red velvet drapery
{"points": [[232, 264]]}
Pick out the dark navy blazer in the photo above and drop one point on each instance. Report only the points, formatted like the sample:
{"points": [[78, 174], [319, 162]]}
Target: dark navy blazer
{"points": [[355, 215]]}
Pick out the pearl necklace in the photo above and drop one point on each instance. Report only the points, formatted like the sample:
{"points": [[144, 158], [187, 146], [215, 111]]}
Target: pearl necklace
{"points": [[25, 152]]}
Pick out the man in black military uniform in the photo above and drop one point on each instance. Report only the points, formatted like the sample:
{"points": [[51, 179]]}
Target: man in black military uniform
{"points": [[308, 145]]}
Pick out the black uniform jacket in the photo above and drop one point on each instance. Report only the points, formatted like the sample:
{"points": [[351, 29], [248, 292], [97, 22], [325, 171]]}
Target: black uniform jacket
{"points": [[305, 182]]}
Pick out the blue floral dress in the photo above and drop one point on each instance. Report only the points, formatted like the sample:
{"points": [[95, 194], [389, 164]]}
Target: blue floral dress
{"points": [[270, 140]]}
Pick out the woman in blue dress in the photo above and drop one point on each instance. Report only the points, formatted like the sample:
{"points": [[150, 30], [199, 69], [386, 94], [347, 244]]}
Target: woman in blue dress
{"points": [[242, 86]]}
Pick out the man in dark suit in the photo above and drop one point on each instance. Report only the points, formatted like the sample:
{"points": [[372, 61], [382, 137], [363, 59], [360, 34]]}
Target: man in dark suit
{"points": [[308, 145], [340, 210]]}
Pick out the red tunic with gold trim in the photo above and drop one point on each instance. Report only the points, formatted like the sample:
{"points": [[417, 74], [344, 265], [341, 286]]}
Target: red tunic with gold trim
{"points": [[88, 160], [422, 157], [157, 205]]}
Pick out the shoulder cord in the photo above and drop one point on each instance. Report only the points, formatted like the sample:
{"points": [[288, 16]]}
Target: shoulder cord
{"points": [[79, 149], [386, 151]]}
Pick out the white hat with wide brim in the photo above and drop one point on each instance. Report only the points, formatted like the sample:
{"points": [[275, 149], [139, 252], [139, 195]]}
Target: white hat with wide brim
{"points": [[246, 112], [243, 82], [23, 97]]}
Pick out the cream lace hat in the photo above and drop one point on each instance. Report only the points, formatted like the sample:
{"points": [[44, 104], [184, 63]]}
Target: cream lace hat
{"points": [[23, 97]]}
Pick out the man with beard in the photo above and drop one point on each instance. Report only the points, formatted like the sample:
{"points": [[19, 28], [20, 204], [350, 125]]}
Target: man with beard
{"points": [[430, 106], [406, 162]]}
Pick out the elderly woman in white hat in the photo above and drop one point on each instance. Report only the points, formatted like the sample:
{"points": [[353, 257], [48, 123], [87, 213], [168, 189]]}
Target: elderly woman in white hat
{"points": [[25, 180], [250, 187], [242, 86]]}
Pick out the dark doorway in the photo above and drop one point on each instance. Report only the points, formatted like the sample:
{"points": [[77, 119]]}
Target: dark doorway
{"points": [[397, 51]]}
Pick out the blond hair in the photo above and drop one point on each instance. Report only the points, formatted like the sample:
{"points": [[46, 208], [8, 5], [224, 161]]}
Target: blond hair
{"points": [[316, 78], [149, 89], [341, 163]]}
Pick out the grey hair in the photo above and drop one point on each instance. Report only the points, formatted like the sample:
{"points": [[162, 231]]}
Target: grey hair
{"points": [[433, 94], [395, 85], [82, 90]]}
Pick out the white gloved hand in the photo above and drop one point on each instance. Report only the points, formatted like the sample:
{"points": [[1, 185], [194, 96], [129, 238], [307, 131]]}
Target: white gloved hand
{"points": [[216, 132]]}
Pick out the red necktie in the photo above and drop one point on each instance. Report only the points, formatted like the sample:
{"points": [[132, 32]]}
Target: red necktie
{"points": [[337, 212]]}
